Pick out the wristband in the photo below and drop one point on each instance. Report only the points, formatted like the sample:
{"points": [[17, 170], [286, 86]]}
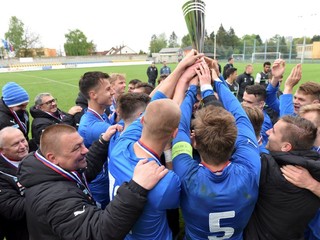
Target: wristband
{"points": [[168, 155], [205, 87]]}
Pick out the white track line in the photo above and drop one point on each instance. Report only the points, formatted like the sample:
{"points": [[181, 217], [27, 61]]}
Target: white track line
{"points": [[48, 79]]}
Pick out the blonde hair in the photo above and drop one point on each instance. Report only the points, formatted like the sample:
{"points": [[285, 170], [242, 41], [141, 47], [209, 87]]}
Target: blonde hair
{"points": [[115, 76]]}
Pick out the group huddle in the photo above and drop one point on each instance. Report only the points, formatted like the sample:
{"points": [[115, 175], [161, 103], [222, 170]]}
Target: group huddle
{"points": [[125, 165]]}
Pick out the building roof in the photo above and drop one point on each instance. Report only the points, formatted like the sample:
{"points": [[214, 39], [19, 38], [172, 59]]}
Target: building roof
{"points": [[170, 50]]}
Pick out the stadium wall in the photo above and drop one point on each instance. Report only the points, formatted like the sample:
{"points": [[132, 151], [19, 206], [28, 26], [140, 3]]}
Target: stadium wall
{"points": [[37, 64]]}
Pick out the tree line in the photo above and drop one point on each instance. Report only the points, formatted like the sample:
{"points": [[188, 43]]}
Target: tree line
{"points": [[76, 43]]}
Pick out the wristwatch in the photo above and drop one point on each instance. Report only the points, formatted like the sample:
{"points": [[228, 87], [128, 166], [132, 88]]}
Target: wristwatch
{"points": [[101, 140]]}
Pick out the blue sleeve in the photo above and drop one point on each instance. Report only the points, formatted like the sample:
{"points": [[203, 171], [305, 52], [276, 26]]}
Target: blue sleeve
{"points": [[206, 93], [246, 147], [286, 105], [158, 95], [267, 124], [166, 193], [186, 113], [132, 132], [271, 100], [94, 131]]}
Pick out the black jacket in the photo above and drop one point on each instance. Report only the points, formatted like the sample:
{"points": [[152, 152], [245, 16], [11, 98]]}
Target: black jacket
{"points": [[244, 80], [152, 73], [57, 208], [283, 210], [7, 118], [13, 223], [41, 120]]}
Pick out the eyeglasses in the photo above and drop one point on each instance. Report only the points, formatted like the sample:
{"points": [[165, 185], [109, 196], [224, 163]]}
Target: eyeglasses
{"points": [[54, 100]]}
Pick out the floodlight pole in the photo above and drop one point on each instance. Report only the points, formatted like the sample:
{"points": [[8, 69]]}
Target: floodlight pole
{"points": [[215, 47], [303, 48]]}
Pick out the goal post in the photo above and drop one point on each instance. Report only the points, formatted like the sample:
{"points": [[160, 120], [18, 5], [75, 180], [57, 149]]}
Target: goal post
{"points": [[238, 57], [265, 56]]}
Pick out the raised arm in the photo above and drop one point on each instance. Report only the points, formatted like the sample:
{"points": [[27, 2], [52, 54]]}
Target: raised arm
{"points": [[167, 87], [286, 101], [277, 71], [183, 83]]}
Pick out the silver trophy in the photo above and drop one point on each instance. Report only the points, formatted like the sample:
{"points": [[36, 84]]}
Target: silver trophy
{"points": [[194, 13]]}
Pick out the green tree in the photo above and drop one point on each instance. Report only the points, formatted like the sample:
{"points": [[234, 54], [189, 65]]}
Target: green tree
{"points": [[77, 44], [222, 36], [186, 41], [233, 40], [209, 42], [15, 33], [173, 40], [315, 38], [157, 43]]}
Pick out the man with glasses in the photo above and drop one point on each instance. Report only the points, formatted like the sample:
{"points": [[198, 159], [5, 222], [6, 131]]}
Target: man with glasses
{"points": [[45, 112], [13, 105]]}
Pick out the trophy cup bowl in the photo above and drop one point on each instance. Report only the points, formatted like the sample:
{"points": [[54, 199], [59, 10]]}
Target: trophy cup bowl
{"points": [[194, 14]]}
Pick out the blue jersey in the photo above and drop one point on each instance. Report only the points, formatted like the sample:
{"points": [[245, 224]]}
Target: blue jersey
{"points": [[152, 224], [90, 128], [286, 105], [217, 206], [266, 125], [272, 100], [313, 231]]}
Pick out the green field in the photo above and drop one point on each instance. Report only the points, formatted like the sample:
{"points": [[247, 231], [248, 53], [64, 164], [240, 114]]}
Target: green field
{"points": [[63, 84]]}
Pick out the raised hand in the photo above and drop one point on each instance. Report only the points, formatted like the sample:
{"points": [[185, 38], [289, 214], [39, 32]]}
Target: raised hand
{"points": [[191, 58], [204, 73], [110, 131], [212, 64], [278, 68], [293, 79]]}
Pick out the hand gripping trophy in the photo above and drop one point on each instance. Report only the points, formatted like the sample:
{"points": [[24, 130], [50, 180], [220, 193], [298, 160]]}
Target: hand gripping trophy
{"points": [[194, 14]]}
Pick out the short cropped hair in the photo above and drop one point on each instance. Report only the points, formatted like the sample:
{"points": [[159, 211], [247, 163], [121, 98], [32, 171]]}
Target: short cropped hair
{"points": [[91, 80], [215, 134], [266, 64], [55, 132], [161, 119], [147, 88], [131, 103], [299, 132], [310, 88], [161, 78], [259, 91], [256, 118], [134, 81], [230, 71], [38, 98]]}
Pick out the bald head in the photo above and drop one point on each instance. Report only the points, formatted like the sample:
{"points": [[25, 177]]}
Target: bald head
{"points": [[161, 118], [13, 144]]}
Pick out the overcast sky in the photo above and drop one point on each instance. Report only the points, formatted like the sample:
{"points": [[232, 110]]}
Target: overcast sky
{"points": [[112, 23]]}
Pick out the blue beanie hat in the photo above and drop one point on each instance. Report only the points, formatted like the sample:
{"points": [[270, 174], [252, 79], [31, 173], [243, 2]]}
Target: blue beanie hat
{"points": [[14, 95]]}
